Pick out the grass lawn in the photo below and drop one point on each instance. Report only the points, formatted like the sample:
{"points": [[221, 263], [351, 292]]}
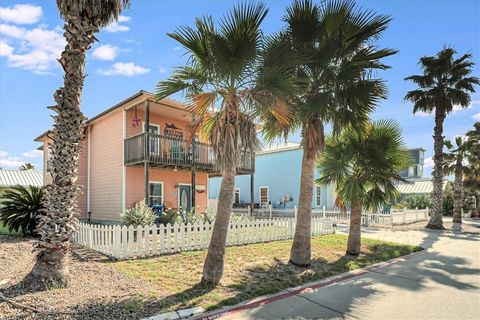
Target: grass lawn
{"points": [[4, 231], [250, 271]]}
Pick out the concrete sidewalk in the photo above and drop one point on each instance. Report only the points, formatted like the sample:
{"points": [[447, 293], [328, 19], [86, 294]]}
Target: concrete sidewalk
{"points": [[440, 283]]}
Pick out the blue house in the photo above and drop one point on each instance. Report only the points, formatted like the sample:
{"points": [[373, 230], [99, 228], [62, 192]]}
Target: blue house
{"points": [[276, 180]]}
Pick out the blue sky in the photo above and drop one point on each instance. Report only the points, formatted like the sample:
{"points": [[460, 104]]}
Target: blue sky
{"points": [[135, 53]]}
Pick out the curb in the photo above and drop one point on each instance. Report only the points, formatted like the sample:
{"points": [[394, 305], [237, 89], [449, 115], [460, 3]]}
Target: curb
{"points": [[177, 314], [308, 287]]}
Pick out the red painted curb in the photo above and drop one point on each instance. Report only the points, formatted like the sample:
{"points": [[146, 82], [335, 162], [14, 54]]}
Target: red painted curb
{"points": [[355, 273]]}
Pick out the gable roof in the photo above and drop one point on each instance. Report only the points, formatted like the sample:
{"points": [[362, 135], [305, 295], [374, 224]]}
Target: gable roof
{"points": [[10, 178], [417, 187], [148, 97]]}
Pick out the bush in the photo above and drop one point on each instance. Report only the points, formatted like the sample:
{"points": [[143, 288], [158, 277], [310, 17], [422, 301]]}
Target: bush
{"points": [[20, 207], [141, 214], [418, 201], [168, 216]]}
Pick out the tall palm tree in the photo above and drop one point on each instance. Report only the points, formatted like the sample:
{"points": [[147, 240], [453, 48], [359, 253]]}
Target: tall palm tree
{"points": [[445, 83], [338, 41], [233, 76], [454, 163], [472, 176], [26, 166], [83, 18], [363, 167]]}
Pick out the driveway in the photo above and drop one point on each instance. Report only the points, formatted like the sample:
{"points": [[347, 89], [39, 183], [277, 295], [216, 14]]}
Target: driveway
{"points": [[441, 282]]}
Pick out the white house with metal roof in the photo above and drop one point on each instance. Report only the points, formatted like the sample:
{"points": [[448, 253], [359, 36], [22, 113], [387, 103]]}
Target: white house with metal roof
{"points": [[10, 178]]}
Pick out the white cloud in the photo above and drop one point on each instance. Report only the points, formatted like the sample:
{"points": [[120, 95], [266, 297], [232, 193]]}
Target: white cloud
{"points": [[176, 48], [116, 26], [162, 69], [31, 49], [105, 52], [3, 153], [124, 69], [476, 117], [21, 14], [428, 162], [33, 153]]}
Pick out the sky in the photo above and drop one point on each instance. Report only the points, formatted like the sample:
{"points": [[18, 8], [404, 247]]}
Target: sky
{"points": [[135, 53]]}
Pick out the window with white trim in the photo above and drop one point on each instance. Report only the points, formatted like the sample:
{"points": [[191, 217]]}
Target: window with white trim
{"points": [[237, 196], [155, 194], [318, 196], [264, 196]]}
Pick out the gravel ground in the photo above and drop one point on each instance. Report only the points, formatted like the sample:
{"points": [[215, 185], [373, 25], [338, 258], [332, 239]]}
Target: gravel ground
{"points": [[96, 290]]}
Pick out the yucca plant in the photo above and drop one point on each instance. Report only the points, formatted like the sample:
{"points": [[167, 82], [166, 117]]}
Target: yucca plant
{"points": [[20, 207]]}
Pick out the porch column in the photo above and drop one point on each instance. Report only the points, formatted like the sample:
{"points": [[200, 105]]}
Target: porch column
{"points": [[252, 186], [146, 163], [193, 192]]}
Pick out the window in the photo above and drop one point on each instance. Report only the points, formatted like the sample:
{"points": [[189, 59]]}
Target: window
{"points": [[237, 196], [264, 198], [318, 196], [156, 193]]}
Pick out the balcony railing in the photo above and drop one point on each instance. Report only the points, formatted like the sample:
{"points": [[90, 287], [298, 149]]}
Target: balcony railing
{"points": [[168, 151]]}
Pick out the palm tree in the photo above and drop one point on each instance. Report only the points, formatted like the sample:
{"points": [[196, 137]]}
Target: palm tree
{"points": [[338, 42], [454, 160], [445, 83], [26, 166], [363, 167], [472, 175], [233, 76], [83, 18]]}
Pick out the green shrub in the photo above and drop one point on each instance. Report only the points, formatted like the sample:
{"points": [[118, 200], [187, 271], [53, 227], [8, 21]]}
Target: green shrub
{"points": [[140, 215], [168, 216], [418, 201], [19, 208]]}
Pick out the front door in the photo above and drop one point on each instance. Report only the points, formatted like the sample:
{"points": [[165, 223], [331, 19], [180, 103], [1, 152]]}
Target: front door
{"points": [[184, 197]]}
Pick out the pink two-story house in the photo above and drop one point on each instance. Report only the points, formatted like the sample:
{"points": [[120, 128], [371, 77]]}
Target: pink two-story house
{"points": [[135, 151]]}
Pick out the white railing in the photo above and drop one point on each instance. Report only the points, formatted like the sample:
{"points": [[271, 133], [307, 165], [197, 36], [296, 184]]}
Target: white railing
{"points": [[394, 217], [143, 241]]}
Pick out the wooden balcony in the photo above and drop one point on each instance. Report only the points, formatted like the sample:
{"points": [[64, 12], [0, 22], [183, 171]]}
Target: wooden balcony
{"points": [[171, 152]]}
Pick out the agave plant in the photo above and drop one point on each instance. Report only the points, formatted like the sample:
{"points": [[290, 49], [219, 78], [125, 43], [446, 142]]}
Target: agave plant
{"points": [[19, 208]]}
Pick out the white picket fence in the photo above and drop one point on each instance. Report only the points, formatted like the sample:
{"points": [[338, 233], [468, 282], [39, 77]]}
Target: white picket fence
{"points": [[127, 242], [343, 217]]}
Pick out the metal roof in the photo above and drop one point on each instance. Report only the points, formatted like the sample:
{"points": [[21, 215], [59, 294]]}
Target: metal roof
{"points": [[9, 178], [280, 147], [417, 187]]}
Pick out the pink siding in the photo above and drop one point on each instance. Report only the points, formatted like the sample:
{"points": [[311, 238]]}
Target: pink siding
{"points": [[155, 119], [170, 179], [83, 179], [106, 166], [82, 174]]}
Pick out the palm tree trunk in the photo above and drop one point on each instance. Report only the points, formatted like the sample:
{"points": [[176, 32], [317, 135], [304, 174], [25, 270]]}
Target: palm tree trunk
{"points": [[435, 221], [458, 192], [213, 267], [58, 222], [300, 254], [355, 232]]}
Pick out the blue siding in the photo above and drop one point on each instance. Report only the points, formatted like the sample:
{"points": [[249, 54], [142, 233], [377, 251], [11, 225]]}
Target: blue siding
{"points": [[279, 171]]}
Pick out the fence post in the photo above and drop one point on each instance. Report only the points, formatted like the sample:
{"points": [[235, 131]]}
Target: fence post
{"points": [[323, 212], [270, 211], [248, 211], [416, 214], [404, 214], [427, 213], [116, 238], [295, 212]]}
